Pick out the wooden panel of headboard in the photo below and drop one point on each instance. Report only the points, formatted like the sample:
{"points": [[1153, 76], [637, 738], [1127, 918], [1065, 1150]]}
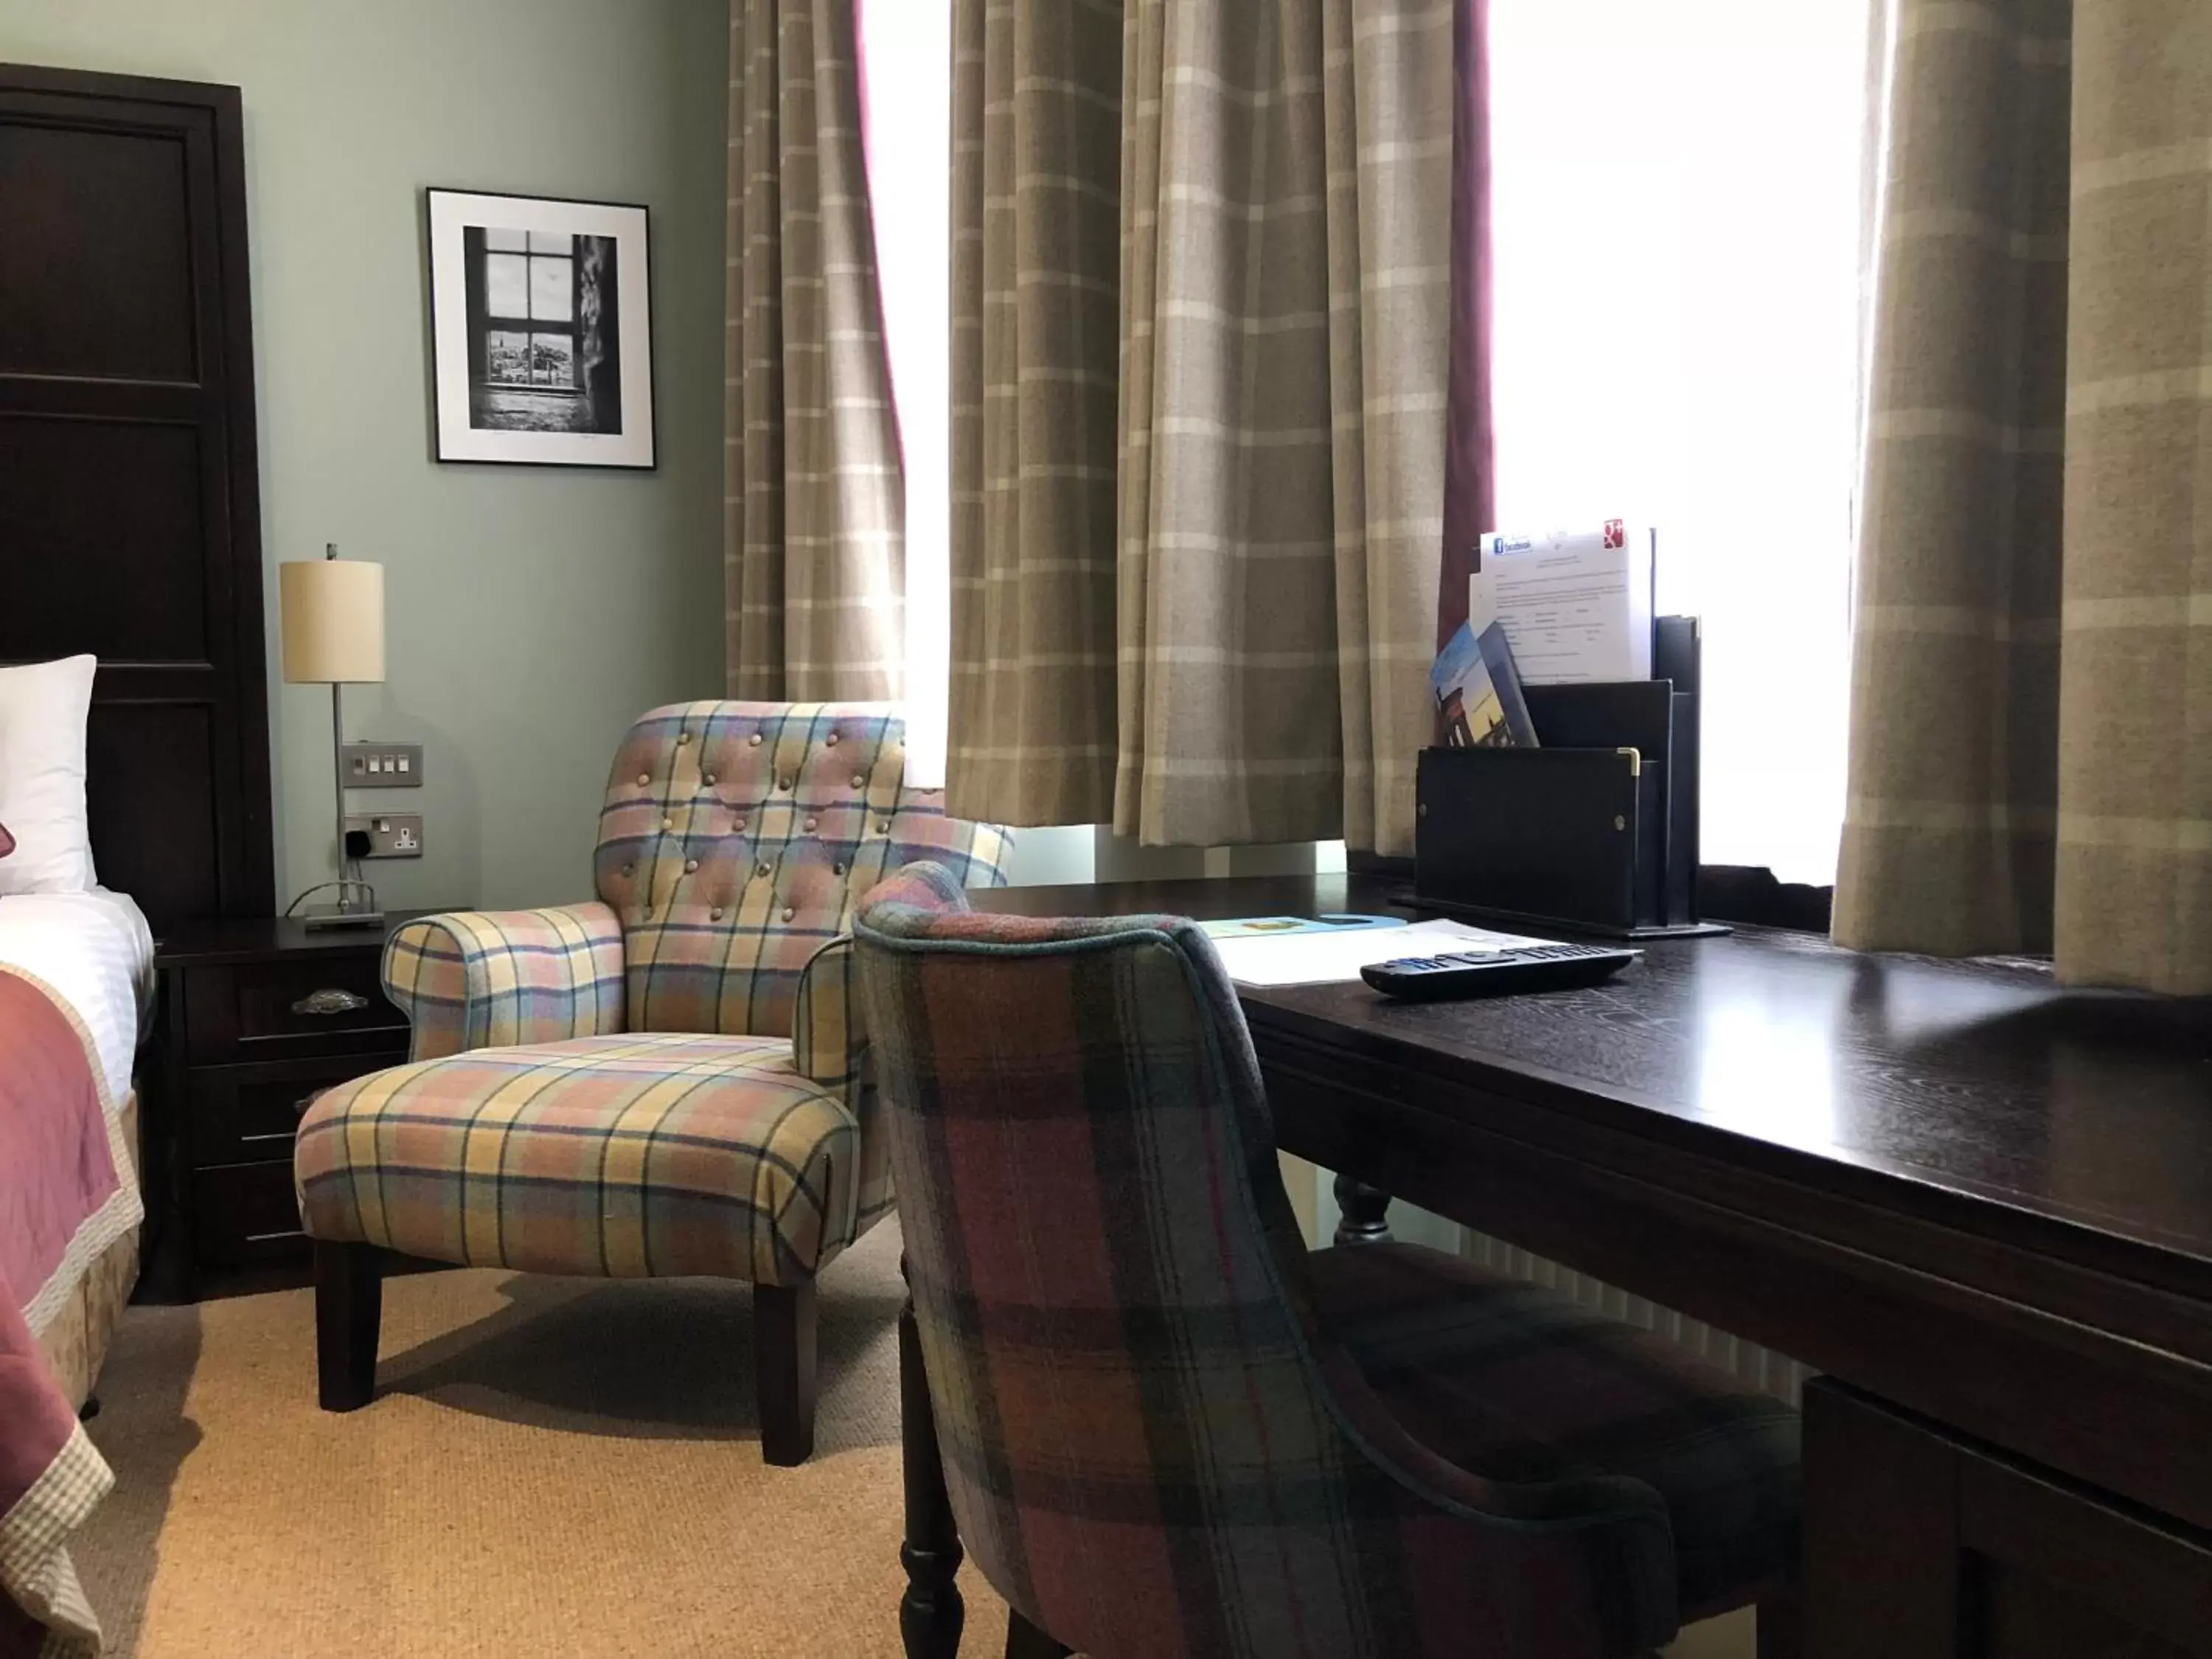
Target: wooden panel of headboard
{"points": [[130, 494]]}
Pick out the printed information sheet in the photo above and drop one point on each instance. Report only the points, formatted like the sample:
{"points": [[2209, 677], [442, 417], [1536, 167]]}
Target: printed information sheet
{"points": [[1321, 958], [1576, 604]]}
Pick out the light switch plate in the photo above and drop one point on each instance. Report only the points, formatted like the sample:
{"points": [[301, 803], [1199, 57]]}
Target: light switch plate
{"points": [[382, 765], [391, 834]]}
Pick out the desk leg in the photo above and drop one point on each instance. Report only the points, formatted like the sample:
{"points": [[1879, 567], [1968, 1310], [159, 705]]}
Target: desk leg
{"points": [[1364, 1213], [931, 1614]]}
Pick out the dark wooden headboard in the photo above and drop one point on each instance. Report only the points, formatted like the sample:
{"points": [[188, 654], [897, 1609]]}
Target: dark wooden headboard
{"points": [[130, 498]]}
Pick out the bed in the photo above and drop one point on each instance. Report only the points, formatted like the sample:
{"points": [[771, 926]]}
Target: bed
{"points": [[75, 974], [90, 955], [129, 541], [75, 986]]}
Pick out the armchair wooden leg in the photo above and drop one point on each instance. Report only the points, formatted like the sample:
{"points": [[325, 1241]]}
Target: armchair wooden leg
{"points": [[1026, 1640], [348, 1317], [783, 1335]]}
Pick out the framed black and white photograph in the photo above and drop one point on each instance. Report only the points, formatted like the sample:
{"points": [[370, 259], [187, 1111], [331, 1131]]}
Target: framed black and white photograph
{"points": [[541, 328]]}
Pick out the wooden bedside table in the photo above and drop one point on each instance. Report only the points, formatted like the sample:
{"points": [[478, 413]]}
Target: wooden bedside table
{"points": [[255, 1018]]}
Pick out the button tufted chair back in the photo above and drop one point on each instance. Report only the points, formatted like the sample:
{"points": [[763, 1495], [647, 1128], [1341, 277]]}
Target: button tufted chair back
{"points": [[735, 840]]}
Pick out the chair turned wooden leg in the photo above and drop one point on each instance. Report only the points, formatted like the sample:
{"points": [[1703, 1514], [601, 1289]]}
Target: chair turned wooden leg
{"points": [[349, 1316], [783, 1335], [1026, 1640], [1781, 1626], [932, 1613]]}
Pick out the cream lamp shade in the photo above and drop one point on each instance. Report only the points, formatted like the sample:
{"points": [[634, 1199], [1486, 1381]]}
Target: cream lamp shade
{"points": [[333, 621]]}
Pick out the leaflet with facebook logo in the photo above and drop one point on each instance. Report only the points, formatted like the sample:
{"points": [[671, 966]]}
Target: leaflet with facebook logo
{"points": [[1576, 605]]}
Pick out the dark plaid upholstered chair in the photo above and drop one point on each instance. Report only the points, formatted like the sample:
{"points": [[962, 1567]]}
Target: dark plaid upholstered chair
{"points": [[1170, 1433], [662, 1082]]}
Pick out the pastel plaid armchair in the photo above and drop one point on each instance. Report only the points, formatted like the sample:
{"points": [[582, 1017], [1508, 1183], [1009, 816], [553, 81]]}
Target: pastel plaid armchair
{"points": [[663, 1081], [1170, 1433]]}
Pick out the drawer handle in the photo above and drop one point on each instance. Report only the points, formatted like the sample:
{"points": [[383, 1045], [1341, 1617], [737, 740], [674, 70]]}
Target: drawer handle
{"points": [[270, 1238], [330, 1001]]}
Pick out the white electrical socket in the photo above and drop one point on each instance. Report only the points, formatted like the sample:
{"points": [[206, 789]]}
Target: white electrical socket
{"points": [[391, 834]]}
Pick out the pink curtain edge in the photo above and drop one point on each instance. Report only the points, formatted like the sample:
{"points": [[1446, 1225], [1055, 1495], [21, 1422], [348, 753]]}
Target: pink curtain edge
{"points": [[1470, 445]]}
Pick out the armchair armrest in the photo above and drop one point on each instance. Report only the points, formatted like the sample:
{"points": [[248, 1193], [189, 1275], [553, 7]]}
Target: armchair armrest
{"points": [[829, 1044], [491, 979], [827, 1038]]}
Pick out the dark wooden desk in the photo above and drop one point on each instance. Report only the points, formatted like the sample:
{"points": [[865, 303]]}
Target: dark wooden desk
{"points": [[1980, 1205]]}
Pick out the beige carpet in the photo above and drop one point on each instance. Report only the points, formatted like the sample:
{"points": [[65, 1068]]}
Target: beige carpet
{"points": [[552, 1467]]}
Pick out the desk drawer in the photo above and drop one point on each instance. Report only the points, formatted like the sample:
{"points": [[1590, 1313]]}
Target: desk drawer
{"points": [[298, 1008], [245, 1113], [244, 1215]]}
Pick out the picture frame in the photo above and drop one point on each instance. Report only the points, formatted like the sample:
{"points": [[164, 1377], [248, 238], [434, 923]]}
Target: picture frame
{"points": [[541, 315]]}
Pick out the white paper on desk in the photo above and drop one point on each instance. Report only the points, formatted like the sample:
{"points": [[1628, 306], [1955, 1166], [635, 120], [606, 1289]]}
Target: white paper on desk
{"points": [[1321, 958], [1576, 604]]}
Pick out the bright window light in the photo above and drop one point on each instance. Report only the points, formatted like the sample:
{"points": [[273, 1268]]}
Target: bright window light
{"points": [[907, 49], [1677, 193]]}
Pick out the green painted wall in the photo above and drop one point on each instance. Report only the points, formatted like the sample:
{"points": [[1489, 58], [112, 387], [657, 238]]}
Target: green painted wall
{"points": [[532, 611]]}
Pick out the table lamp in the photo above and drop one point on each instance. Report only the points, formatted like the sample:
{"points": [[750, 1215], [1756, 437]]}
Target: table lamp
{"points": [[334, 636]]}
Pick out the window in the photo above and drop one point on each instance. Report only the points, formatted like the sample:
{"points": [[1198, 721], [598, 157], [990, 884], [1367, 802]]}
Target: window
{"points": [[1678, 197], [1679, 200], [530, 309]]}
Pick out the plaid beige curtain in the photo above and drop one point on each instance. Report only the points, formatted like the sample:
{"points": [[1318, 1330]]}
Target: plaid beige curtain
{"points": [[2032, 697], [1035, 123], [1202, 292], [814, 503], [1286, 284]]}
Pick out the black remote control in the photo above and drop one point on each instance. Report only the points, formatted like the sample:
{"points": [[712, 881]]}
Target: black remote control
{"points": [[1497, 973]]}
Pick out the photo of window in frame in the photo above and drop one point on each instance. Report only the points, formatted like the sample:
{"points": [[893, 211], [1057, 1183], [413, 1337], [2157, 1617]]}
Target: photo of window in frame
{"points": [[542, 330], [530, 309]]}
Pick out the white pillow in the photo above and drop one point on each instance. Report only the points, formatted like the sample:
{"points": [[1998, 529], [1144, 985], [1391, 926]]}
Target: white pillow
{"points": [[43, 707]]}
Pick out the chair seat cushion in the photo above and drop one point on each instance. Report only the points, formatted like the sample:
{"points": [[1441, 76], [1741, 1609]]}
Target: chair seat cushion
{"points": [[1513, 1383], [619, 1156]]}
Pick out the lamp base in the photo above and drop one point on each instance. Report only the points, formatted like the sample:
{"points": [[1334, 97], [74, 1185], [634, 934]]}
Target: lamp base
{"points": [[321, 917], [356, 905]]}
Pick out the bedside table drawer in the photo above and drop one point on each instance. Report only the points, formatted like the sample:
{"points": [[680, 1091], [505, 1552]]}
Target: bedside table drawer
{"points": [[245, 1215], [271, 1010], [243, 1114]]}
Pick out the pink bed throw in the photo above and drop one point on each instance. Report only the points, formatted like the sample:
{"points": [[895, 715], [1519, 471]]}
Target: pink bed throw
{"points": [[51, 1480], [61, 1204], [56, 1167]]}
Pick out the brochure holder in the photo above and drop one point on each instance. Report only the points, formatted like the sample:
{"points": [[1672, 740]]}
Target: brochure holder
{"points": [[1596, 831]]}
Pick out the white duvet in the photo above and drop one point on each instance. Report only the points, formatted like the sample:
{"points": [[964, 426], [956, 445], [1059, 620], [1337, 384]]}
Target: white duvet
{"points": [[96, 950]]}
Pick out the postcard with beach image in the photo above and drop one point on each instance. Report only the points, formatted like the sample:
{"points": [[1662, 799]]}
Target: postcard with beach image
{"points": [[1478, 693]]}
